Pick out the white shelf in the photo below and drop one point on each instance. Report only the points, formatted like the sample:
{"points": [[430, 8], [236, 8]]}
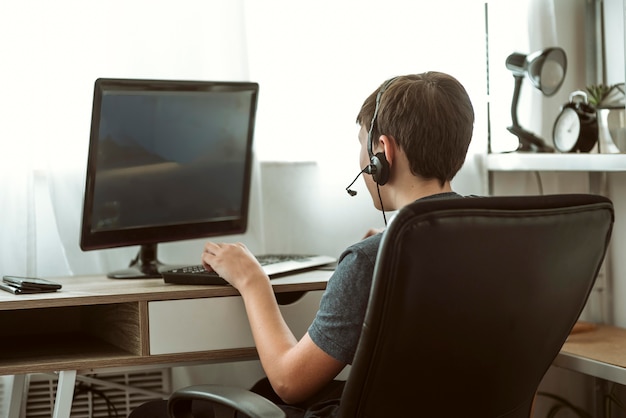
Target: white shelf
{"points": [[518, 161]]}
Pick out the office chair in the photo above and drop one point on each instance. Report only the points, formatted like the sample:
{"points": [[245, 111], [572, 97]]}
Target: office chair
{"points": [[472, 300]]}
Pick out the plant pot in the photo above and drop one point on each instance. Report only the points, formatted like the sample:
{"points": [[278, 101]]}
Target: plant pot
{"points": [[611, 129]]}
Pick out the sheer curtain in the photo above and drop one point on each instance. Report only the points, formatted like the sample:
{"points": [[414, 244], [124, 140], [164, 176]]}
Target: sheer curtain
{"points": [[315, 62], [17, 236], [52, 53]]}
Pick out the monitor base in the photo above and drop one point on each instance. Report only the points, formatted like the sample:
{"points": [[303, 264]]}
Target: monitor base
{"points": [[144, 266], [136, 273]]}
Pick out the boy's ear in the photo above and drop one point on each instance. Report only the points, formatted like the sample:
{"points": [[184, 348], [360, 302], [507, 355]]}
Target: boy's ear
{"points": [[388, 146]]}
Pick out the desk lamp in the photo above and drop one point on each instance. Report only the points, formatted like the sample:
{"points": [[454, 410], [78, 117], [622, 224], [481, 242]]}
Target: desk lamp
{"points": [[546, 71]]}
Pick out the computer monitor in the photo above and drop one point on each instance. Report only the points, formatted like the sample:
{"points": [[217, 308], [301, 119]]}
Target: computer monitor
{"points": [[168, 160]]}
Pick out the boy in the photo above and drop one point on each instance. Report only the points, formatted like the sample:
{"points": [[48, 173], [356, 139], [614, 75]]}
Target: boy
{"points": [[414, 135]]}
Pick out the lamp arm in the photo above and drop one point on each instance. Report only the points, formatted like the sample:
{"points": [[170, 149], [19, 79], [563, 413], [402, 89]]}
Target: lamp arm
{"points": [[527, 140], [514, 103]]}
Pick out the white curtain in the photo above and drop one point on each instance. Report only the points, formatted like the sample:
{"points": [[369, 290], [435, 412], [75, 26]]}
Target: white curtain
{"points": [[315, 61], [52, 52], [17, 232]]}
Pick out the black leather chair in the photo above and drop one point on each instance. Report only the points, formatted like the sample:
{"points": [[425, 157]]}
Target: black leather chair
{"points": [[471, 302]]}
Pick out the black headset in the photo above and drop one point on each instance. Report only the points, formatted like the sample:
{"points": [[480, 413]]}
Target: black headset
{"points": [[379, 166]]}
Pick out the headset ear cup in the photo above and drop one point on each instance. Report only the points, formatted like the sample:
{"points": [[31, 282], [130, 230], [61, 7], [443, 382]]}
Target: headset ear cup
{"points": [[380, 165]]}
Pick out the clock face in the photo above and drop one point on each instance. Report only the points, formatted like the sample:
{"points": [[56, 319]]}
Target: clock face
{"points": [[566, 130]]}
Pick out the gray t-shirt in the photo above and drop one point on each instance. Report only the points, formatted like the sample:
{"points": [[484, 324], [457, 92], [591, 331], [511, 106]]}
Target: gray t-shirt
{"points": [[337, 326]]}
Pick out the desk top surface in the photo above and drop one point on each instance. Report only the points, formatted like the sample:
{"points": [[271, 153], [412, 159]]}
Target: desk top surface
{"points": [[603, 343], [90, 290]]}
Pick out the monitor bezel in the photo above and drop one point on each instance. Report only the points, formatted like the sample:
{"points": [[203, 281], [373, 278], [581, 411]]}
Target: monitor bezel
{"points": [[100, 239]]}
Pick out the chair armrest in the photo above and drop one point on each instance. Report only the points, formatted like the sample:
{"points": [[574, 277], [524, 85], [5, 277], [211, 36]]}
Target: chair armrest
{"points": [[234, 398]]}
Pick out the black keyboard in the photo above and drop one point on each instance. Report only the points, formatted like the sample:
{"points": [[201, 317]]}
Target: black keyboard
{"points": [[192, 275], [275, 265]]}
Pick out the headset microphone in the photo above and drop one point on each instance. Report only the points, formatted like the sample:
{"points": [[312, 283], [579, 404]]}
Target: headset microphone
{"points": [[348, 189], [378, 166]]}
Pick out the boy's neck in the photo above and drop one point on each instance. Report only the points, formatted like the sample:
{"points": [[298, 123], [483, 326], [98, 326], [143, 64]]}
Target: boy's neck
{"points": [[418, 190]]}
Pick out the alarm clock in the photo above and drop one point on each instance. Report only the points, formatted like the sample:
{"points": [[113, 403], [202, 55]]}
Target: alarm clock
{"points": [[576, 126]]}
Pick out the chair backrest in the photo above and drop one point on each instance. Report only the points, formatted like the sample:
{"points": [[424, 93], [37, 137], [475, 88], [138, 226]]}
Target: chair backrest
{"points": [[472, 300]]}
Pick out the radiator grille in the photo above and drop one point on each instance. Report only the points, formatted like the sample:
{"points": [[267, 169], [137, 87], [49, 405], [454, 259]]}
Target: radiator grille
{"points": [[97, 400]]}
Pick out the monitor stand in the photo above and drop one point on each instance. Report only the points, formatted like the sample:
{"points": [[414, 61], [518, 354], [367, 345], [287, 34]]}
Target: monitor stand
{"points": [[144, 266]]}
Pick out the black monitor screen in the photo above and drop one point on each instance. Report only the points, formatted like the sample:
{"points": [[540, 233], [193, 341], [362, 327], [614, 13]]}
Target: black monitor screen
{"points": [[168, 161]]}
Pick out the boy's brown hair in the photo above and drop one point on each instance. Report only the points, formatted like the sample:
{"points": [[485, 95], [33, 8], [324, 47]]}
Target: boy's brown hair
{"points": [[430, 116]]}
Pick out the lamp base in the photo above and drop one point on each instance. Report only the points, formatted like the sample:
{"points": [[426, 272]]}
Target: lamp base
{"points": [[528, 142]]}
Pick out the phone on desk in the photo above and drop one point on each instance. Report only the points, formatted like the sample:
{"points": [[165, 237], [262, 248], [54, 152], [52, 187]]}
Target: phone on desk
{"points": [[27, 285]]}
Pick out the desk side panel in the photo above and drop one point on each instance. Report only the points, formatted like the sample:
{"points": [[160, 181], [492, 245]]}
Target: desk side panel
{"points": [[118, 324]]}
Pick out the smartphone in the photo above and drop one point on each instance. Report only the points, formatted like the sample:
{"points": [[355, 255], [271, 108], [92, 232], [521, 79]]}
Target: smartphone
{"points": [[31, 283], [16, 290]]}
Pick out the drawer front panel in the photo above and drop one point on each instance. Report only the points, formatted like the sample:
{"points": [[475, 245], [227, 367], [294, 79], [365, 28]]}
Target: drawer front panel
{"points": [[220, 323]]}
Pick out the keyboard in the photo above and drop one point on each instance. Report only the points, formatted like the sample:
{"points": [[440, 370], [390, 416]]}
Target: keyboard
{"points": [[274, 265]]}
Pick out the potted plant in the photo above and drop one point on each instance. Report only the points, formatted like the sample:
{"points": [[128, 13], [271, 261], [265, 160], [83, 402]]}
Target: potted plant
{"points": [[611, 116]]}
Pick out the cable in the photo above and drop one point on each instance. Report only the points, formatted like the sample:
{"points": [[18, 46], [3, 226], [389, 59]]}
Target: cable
{"points": [[82, 388], [381, 204], [611, 399], [564, 403], [539, 182]]}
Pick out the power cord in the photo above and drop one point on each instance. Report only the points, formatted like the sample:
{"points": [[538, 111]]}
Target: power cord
{"points": [[539, 182], [610, 400], [382, 208], [83, 388], [563, 403]]}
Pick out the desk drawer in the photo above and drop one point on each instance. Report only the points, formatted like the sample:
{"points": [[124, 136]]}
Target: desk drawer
{"points": [[188, 325]]}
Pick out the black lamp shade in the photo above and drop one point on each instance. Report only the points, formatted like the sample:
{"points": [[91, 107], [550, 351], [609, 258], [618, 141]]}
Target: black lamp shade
{"points": [[546, 69]]}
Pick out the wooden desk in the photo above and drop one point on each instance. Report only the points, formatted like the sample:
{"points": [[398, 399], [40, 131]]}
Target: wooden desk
{"points": [[600, 352], [96, 323]]}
